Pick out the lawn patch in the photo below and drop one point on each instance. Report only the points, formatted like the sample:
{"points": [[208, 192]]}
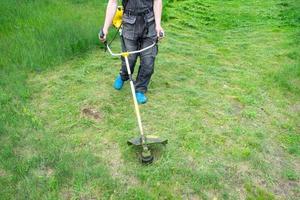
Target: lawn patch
{"points": [[225, 94]]}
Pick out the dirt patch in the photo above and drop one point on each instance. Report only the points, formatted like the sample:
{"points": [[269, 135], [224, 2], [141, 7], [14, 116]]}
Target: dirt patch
{"points": [[26, 153], [2, 173], [287, 189], [243, 170], [295, 108], [191, 162], [236, 106], [87, 192], [283, 189], [189, 194], [112, 156], [44, 171], [92, 113], [66, 194]]}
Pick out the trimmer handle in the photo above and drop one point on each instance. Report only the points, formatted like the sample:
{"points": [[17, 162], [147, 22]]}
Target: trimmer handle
{"points": [[101, 34], [161, 34]]}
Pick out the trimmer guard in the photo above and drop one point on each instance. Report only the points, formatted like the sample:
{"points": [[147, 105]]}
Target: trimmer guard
{"points": [[150, 139]]}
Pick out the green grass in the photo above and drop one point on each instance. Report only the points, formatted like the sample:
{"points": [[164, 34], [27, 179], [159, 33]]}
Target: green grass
{"points": [[225, 93]]}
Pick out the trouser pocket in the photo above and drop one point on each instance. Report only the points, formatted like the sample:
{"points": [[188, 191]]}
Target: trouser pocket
{"points": [[128, 26]]}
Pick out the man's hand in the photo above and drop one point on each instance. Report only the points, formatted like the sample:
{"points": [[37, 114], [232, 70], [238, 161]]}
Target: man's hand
{"points": [[102, 35], [157, 8], [160, 32]]}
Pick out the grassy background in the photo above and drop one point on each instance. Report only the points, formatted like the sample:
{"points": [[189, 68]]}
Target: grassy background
{"points": [[225, 93], [35, 35]]}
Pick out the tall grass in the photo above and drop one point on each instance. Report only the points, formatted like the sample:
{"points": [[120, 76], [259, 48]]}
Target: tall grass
{"points": [[35, 35]]}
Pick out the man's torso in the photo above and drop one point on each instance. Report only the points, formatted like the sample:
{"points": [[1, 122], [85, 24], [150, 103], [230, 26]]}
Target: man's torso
{"points": [[142, 26]]}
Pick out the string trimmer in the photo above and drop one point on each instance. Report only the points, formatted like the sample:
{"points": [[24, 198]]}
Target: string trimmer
{"points": [[142, 140]]}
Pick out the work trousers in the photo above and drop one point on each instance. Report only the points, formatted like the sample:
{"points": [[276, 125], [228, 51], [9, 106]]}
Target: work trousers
{"points": [[138, 32]]}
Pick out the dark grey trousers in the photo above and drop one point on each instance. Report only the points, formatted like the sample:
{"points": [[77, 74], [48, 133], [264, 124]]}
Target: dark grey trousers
{"points": [[137, 36]]}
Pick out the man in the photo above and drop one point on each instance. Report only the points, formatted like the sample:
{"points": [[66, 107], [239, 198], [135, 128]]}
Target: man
{"points": [[141, 27]]}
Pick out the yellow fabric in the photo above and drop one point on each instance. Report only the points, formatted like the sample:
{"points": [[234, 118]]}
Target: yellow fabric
{"points": [[117, 21]]}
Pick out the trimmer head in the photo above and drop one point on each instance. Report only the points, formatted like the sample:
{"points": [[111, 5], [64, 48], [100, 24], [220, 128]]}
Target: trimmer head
{"points": [[150, 139], [146, 157]]}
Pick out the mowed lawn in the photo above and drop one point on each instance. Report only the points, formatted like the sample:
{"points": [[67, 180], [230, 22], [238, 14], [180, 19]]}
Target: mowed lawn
{"points": [[225, 93]]}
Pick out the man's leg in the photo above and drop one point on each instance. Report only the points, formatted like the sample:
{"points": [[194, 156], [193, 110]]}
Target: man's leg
{"points": [[131, 45], [147, 65]]}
